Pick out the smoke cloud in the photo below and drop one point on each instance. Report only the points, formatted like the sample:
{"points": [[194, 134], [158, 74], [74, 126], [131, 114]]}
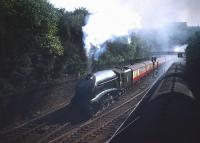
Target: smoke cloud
{"points": [[109, 20], [112, 18], [152, 12], [180, 48]]}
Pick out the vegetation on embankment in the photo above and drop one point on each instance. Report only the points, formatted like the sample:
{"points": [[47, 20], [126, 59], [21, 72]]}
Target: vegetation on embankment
{"points": [[38, 43], [193, 63]]}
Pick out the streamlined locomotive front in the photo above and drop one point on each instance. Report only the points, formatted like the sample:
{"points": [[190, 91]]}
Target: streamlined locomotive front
{"points": [[93, 89]]}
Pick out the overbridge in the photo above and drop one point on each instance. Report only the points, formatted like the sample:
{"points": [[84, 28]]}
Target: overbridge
{"points": [[166, 53]]}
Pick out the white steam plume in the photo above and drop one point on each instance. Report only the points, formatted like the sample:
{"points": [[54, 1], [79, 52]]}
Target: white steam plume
{"points": [[153, 12], [107, 20], [180, 48], [112, 18]]}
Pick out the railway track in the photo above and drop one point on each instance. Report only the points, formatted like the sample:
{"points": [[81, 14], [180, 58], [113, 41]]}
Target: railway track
{"points": [[57, 107], [42, 129], [31, 131], [67, 127], [91, 129], [34, 129]]}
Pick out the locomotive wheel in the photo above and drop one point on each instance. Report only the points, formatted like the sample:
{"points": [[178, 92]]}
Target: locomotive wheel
{"points": [[93, 108], [103, 104], [107, 101], [116, 94], [111, 99]]}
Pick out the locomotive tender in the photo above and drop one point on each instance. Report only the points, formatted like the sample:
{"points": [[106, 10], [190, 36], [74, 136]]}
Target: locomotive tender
{"points": [[97, 90]]}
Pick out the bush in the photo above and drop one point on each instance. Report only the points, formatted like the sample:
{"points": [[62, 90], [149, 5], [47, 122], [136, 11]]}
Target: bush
{"points": [[193, 60]]}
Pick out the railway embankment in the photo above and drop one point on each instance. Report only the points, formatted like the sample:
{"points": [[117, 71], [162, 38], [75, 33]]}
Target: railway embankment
{"points": [[21, 107]]}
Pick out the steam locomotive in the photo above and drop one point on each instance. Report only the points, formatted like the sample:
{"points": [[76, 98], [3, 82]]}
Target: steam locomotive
{"points": [[97, 90]]}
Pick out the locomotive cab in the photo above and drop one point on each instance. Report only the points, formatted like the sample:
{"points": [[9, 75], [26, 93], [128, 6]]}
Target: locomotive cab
{"points": [[125, 75]]}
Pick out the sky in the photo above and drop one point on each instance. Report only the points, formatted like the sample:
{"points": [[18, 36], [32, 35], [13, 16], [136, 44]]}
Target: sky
{"points": [[151, 12], [113, 18]]}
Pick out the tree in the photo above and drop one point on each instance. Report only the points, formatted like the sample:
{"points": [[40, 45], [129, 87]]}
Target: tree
{"points": [[71, 35], [193, 58], [38, 41]]}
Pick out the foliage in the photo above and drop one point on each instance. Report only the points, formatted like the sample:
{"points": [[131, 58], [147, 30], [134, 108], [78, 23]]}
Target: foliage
{"points": [[38, 42], [120, 50], [193, 58], [71, 36]]}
